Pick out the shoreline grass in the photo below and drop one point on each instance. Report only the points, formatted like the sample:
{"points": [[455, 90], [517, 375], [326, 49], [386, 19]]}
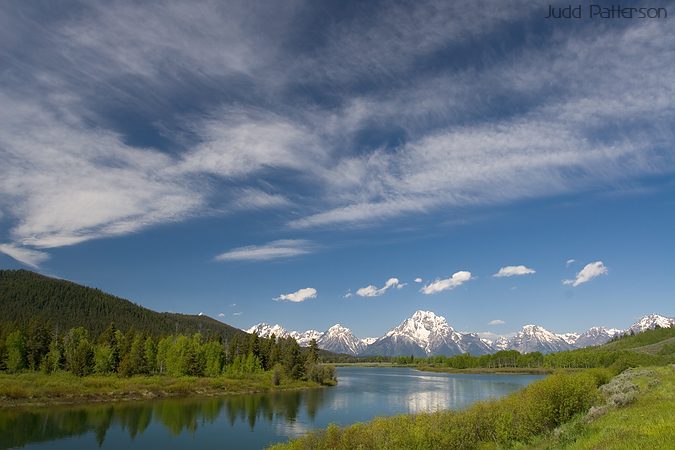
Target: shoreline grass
{"points": [[36, 389], [583, 409]]}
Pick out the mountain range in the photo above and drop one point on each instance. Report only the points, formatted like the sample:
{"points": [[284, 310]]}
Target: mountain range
{"points": [[428, 334]]}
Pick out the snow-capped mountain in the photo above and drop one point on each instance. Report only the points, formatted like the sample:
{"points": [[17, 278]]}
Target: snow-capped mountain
{"points": [[425, 333], [264, 330], [570, 338], [596, 336], [501, 343], [305, 338], [368, 340], [339, 339], [650, 322], [533, 338]]}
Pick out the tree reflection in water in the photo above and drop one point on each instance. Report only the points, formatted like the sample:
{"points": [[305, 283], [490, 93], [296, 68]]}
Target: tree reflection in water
{"points": [[19, 427]]}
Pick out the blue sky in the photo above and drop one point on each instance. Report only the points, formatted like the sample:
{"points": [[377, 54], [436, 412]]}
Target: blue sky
{"points": [[304, 163]]}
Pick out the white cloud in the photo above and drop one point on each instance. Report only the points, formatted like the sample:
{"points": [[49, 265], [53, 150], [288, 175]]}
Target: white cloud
{"points": [[200, 314], [67, 183], [457, 279], [590, 271], [510, 271], [298, 296], [496, 322], [372, 291], [418, 280], [238, 313], [221, 314], [67, 177], [285, 248], [570, 261], [348, 294], [32, 258]]}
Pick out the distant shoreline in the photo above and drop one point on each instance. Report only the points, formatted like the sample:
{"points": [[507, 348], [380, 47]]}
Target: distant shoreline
{"points": [[477, 370], [38, 390], [490, 370]]}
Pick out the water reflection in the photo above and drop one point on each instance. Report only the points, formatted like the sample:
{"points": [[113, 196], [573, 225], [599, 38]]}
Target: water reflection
{"points": [[252, 420], [20, 427]]}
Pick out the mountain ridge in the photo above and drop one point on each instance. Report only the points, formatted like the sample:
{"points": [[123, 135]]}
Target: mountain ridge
{"points": [[427, 334], [27, 296]]}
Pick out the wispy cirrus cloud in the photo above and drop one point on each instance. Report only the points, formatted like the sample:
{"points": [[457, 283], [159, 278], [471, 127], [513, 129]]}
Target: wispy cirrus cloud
{"points": [[298, 296], [372, 291], [511, 271], [74, 171], [283, 248], [457, 279], [496, 322], [32, 258], [590, 271]]}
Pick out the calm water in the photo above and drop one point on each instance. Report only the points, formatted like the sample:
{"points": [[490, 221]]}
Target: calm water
{"points": [[253, 420]]}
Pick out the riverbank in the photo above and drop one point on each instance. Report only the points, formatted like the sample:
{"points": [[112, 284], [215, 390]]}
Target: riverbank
{"points": [[36, 389], [580, 410], [536, 409], [371, 364]]}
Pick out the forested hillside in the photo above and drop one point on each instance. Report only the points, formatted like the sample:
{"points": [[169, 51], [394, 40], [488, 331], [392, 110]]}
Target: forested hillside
{"points": [[27, 296]]}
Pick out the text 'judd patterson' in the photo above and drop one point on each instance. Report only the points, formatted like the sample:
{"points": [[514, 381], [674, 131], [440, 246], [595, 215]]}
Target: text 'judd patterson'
{"points": [[594, 11]]}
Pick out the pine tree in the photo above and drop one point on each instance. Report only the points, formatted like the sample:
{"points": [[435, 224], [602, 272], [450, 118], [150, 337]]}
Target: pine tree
{"points": [[37, 344]]}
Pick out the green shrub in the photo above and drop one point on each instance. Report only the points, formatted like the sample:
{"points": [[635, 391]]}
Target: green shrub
{"points": [[540, 407]]}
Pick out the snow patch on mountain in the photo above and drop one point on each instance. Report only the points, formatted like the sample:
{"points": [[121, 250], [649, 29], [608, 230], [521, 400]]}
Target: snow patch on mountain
{"points": [[533, 338], [651, 321], [339, 339], [425, 334]]}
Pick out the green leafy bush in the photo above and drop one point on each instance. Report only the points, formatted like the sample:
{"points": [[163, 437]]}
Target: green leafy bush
{"points": [[540, 407]]}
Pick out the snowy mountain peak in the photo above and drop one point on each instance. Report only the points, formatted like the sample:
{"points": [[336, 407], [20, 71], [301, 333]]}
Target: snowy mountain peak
{"points": [[303, 339], [534, 338], [425, 333], [570, 338], [596, 336], [420, 315], [340, 339], [501, 343], [265, 330], [650, 322]]}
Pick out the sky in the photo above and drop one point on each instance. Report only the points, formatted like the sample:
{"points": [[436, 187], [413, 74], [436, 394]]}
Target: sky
{"points": [[307, 163]]}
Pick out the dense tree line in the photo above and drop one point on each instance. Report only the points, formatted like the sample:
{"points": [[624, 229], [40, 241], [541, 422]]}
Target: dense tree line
{"points": [[25, 295], [38, 347]]}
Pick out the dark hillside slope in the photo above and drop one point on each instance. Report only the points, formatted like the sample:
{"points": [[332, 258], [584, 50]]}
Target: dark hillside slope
{"points": [[26, 295]]}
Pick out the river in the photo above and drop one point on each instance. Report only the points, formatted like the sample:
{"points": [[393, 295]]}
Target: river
{"points": [[249, 421]]}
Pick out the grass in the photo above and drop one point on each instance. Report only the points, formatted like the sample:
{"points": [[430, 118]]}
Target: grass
{"points": [[664, 347], [639, 412], [32, 388]]}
